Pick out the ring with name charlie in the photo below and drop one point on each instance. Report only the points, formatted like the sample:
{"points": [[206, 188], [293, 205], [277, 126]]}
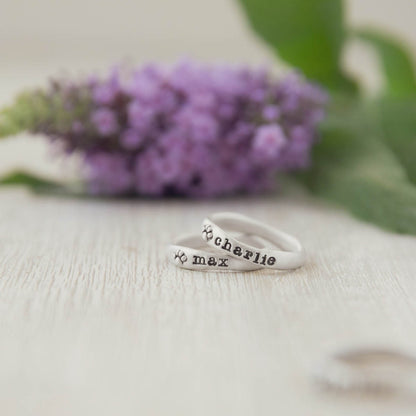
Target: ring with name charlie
{"points": [[286, 252]]}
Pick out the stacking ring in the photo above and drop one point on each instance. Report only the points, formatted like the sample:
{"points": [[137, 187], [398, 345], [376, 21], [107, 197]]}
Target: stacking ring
{"points": [[191, 252], [368, 370], [217, 232]]}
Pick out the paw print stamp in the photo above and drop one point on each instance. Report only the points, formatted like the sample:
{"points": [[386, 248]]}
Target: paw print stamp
{"points": [[207, 233], [180, 257]]}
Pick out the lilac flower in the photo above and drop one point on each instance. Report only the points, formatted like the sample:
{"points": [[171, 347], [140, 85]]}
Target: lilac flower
{"points": [[146, 169], [204, 100], [145, 83], [104, 94], [271, 112], [268, 141], [241, 133], [105, 121], [204, 128], [191, 129], [108, 173], [131, 139], [258, 95], [140, 116], [300, 133], [78, 127]]}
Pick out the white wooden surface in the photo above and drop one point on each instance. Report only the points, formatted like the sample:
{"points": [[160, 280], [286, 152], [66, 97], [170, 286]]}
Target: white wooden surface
{"points": [[94, 321]]}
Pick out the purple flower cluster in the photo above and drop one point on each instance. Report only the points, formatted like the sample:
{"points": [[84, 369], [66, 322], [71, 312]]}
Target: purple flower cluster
{"points": [[190, 129]]}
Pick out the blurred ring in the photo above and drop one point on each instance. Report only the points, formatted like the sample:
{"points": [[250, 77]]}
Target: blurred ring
{"points": [[368, 370]]}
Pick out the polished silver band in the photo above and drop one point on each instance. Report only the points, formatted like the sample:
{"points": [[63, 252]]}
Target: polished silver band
{"points": [[218, 229], [191, 252]]}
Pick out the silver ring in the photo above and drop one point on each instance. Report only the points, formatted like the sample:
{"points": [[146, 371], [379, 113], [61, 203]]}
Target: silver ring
{"points": [[191, 252], [217, 232]]}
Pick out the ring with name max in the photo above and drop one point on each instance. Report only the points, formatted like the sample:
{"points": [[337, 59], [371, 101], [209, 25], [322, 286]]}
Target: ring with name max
{"points": [[282, 251], [192, 252]]}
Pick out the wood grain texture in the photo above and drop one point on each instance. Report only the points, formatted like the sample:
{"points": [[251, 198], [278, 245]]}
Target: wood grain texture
{"points": [[93, 319]]}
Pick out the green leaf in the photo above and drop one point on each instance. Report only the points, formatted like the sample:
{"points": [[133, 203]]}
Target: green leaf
{"points": [[40, 184], [396, 111], [28, 179], [396, 62], [308, 34], [44, 186], [354, 168], [397, 120]]}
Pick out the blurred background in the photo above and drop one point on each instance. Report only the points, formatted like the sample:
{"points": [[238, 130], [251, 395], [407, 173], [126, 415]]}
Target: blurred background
{"points": [[46, 37]]}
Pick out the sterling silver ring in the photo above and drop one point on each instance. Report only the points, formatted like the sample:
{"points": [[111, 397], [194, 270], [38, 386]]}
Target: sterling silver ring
{"points": [[191, 252], [286, 251]]}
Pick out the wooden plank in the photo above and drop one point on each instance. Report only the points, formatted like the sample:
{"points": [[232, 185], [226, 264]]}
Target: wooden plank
{"points": [[93, 318]]}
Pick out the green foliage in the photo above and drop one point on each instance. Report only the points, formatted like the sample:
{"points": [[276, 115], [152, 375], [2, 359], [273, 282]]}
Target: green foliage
{"points": [[397, 120], [17, 117], [366, 160], [33, 108], [354, 168], [397, 65], [30, 180], [23, 115], [42, 185], [308, 34]]}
